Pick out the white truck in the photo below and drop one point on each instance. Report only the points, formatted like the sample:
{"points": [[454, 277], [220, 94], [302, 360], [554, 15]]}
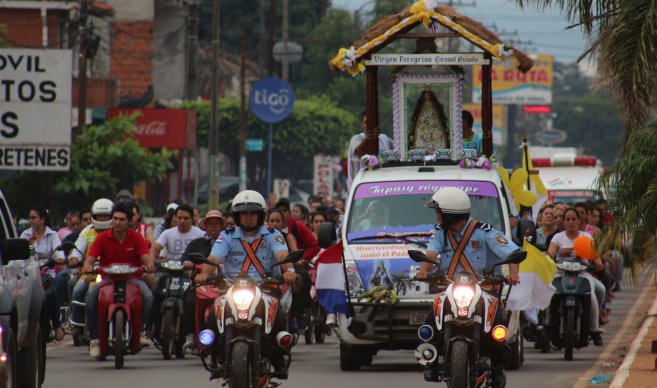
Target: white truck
{"points": [[570, 178], [384, 216]]}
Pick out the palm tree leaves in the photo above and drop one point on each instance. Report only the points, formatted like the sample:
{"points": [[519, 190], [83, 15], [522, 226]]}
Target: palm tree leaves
{"points": [[631, 184], [623, 36]]}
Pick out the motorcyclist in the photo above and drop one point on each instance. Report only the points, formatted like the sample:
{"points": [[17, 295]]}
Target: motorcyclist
{"points": [[119, 244], [101, 220], [213, 223], [251, 247], [478, 246]]}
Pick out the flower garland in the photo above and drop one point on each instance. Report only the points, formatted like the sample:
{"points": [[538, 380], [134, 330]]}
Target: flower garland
{"points": [[369, 162], [482, 162], [424, 11]]}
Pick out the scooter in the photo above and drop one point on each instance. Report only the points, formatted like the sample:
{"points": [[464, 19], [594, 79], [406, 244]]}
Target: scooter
{"points": [[238, 345], [119, 312], [172, 290], [464, 315], [570, 307]]}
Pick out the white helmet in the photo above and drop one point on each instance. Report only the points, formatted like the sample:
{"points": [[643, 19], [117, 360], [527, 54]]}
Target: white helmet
{"points": [[248, 201], [102, 206], [450, 200]]}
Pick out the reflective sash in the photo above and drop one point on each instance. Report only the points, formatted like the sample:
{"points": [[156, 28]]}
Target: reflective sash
{"points": [[251, 258], [459, 256]]}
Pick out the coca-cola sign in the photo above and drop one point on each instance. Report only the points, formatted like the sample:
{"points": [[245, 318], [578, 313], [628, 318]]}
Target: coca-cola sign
{"points": [[158, 128]]}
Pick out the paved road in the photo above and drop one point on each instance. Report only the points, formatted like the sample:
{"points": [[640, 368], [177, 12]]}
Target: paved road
{"points": [[315, 366]]}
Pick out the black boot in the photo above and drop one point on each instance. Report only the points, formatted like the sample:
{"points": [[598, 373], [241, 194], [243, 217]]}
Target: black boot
{"points": [[498, 377], [430, 374], [279, 364]]}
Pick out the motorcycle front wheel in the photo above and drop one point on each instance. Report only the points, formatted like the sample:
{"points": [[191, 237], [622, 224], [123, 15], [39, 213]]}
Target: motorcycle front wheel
{"points": [[240, 366], [119, 345], [166, 333], [569, 334], [460, 367]]}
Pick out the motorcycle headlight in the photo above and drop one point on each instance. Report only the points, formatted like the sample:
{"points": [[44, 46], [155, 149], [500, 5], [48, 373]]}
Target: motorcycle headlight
{"points": [[243, 298], [463, 296]]}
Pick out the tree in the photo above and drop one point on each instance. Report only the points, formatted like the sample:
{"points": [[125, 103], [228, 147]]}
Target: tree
{"points": [[633, 203], [104, 159], [316, 126], [622, 35]]}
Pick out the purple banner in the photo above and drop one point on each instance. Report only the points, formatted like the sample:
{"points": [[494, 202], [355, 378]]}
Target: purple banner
{"points": [[383, 189]]}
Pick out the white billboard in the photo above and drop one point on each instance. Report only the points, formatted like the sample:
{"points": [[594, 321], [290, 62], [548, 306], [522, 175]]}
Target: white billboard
{"points": [[35, 109], [323, 176]]}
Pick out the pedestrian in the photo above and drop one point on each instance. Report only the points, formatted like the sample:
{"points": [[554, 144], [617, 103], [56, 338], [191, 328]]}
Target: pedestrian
{"points": [[300, 212], [304, 237], [357, 143], [167, 220], [471, 140]]}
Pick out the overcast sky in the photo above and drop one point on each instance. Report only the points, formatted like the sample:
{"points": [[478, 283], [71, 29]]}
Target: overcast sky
{"points": [[545, 30]]}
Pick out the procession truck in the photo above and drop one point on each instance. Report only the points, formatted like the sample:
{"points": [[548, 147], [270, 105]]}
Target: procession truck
{"points": [[385, 214]]}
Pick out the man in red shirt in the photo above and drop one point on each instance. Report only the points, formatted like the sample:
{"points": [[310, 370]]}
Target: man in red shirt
{"points": [[305, 238], [119, 244]]}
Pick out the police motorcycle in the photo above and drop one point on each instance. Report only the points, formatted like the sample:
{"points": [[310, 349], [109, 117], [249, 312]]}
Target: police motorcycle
{"points": [[172, 289], [464, 311], [237, 347], [569, 312]]}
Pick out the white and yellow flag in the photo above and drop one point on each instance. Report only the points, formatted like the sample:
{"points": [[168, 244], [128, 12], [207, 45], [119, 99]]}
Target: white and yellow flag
{"points": [[535, 184], [535, 288]]}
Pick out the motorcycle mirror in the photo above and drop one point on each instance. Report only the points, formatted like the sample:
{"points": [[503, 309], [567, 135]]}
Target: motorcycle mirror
{"points": [[420, 257], [516, 257], [291, 257], [198, 258], [66, 246]]}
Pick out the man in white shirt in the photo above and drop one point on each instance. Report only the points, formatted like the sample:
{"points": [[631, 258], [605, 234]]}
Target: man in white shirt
{"points": [[385, 144], [176, 239]]}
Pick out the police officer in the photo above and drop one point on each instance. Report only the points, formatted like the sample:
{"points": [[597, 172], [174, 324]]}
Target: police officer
{"points": [[253, 248], [478, 246]]}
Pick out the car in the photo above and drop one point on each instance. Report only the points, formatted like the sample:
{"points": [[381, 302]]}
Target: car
{"points": [[385, 213], [23, 317], [228, 188]]}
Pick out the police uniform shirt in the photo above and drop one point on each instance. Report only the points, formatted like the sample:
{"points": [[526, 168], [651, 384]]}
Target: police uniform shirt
{"points": [[228, 247], [486, 247]]}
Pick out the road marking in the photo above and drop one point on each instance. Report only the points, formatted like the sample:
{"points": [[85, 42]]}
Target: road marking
{"points": [[619, 337], [624, 370]]}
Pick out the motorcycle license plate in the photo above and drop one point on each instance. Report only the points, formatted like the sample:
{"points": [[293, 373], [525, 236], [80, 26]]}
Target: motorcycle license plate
{"points": [[417, 317]]}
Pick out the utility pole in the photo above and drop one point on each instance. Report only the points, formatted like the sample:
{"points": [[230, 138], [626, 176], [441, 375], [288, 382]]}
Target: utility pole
{"points": [[213, 133], [243, 125], [286, 59], [272, 33], [82, 65], [191, 93], [261, 41]]}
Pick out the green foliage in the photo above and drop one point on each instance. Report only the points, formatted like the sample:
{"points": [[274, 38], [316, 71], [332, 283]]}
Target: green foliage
{"points": [[592, 122], [632, 187], [106, 158], [317, 125]]}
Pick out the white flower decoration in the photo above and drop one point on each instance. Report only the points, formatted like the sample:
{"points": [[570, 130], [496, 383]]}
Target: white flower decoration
{"points": [[430, 5], [349, 57]]}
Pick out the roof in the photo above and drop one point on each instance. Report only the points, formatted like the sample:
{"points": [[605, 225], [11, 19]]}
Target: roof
{"points": [[427, 12], [411, 173]]}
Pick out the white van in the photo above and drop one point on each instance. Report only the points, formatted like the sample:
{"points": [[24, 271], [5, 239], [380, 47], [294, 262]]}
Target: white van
{"points": [[385, 212], [570, 179]]}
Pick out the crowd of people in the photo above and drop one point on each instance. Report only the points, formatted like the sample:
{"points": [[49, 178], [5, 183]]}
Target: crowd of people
{"points": [[180, 232], [558, 226]]}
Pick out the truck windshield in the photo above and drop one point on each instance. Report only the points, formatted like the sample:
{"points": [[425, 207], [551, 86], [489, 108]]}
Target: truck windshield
{"points": [[382, 210]]}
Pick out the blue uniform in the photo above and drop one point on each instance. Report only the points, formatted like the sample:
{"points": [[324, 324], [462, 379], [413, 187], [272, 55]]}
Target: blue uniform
{"points": [[229, 248], [486, 247]]}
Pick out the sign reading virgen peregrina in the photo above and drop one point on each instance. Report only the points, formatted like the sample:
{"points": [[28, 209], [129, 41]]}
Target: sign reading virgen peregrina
{"points": [[35, 109], [461, 59]]}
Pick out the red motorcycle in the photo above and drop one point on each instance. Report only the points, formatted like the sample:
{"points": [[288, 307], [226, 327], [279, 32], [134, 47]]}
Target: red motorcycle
{"points": [[119, 312]]}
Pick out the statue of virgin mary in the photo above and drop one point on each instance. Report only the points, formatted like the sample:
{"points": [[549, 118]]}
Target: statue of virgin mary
{"points": [[428, 128]]}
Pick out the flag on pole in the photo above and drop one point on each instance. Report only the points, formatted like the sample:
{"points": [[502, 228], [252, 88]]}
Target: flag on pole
{"points": [[535, 289], [534, 182], [330, 282]]}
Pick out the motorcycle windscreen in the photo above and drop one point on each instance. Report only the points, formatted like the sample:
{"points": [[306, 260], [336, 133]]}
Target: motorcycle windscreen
{"points": [[386, 218]]}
